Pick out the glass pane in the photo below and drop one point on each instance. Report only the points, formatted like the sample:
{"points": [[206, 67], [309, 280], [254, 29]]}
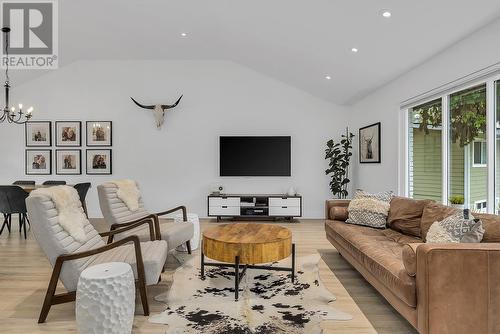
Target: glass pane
{"points": [[425, 166], [477, 152], [467, 169]]}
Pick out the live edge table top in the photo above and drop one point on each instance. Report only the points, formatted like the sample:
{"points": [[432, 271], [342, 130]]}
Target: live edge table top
{"points": [[253, 243]]}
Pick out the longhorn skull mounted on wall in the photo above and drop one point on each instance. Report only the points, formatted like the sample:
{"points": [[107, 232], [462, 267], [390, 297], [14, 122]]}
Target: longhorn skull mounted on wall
{"points": [[158, 110]]}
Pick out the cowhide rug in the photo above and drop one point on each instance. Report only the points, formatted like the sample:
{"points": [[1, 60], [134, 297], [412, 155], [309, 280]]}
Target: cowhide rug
{"points": [[269, 302]]}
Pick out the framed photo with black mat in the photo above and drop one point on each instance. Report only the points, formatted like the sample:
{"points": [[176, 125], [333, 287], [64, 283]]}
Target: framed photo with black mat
{"points": [[68, 162], [99, 133], [99, 162], [69, 133], [38, 133], [38, 162], [369, 144]]}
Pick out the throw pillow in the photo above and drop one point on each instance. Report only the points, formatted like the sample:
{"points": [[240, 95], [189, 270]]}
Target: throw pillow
{"points": [[405, 215], [369, 209], [459, 227], [491, 225], [434, 212]]}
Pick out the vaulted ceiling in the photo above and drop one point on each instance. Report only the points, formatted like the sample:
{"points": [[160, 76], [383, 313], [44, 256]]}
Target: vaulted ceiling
{"points": [[297, 42]]}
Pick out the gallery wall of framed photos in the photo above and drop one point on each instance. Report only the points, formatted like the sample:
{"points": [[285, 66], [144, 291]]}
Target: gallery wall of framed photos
{"points": [[68, 139]]}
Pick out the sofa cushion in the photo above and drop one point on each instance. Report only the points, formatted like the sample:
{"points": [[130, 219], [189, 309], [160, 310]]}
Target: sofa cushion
{"points": [[434, 212], [338, 213], [491, 225], [405, 215], [399, 237], [378, 254], [369, 209]]}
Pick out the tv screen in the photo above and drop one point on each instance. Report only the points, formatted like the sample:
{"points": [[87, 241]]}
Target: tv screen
{"points": [[255, 156]]}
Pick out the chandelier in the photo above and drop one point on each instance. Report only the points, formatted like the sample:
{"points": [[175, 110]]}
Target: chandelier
{"points": [[9, 113]]}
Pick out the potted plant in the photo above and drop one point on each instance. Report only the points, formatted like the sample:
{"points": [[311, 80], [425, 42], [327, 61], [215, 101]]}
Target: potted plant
{"points": [[338, 155], [457, 201]]}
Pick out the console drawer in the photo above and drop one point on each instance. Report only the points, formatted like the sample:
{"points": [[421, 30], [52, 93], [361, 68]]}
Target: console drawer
{"points": [[226, 201], [224, 210], [279, 202], [284, 211]]}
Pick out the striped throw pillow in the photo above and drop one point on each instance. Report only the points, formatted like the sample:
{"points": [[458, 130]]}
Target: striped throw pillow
{"points": [[369, 209]]}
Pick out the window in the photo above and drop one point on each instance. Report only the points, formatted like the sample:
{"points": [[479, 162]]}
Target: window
{"points": [[480, 206], [447, 149], [479, 154]]}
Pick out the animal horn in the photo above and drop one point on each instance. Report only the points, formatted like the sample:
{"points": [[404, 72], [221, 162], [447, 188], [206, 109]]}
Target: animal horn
{"points": [[167, 106], [142, 105]]}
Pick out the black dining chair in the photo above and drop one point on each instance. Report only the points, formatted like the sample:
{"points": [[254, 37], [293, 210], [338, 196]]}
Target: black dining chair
{"points": [[5, 209], [82, 189], [24, 183], [13, 201], [54, 183]]}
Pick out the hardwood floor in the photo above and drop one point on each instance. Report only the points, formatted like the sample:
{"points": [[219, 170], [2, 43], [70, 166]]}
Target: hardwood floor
{"points": [[25, 272]]}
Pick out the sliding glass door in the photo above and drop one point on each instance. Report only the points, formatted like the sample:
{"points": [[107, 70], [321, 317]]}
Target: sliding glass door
{"points": [[497, 147], [467, 149], [424, 146]]}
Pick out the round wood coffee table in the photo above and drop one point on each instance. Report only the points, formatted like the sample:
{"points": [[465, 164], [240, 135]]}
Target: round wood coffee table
{"points": [[247, 245]]}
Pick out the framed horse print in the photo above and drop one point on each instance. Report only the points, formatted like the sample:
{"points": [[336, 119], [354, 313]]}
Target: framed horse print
{"points": [[369, 144]]}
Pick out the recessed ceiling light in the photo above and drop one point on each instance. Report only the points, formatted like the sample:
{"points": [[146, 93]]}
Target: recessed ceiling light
{"points": [[328, 77], [183, 34], [386, 14], [354, 50]]}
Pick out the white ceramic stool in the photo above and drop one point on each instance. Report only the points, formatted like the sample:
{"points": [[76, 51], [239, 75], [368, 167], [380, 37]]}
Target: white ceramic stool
{"points": [[105, 299], [195, 241]]}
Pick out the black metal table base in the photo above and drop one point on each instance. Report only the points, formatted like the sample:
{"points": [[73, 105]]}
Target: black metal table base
{"points": [[238, 275]]}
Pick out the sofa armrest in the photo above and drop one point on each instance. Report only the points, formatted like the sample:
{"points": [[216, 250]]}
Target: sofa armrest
{"points": [[410, 258], [336, 209], [458, 288]]}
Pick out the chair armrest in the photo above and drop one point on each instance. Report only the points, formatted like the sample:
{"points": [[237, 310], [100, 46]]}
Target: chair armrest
{"points": [[335, 203], [119, 228], [157, 221], [182, 207], [457, 288]]}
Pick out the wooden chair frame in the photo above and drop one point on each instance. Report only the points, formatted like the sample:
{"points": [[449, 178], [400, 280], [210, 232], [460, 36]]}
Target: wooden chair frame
{"points": [[156, 220], [52, 299]]}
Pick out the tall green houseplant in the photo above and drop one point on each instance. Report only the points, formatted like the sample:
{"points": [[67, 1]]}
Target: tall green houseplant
{"points": [[338, 156]]}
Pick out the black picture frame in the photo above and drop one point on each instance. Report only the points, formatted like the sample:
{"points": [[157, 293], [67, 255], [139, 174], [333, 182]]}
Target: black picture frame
{"points": [[28, 171], [78, 170], [59, 142], [29, 142], [377, 155], [90, 142], [89, 158]]}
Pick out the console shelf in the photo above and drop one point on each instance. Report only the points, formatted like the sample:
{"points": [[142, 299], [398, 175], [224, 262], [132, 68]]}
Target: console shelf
{"points": [[254, 206]]}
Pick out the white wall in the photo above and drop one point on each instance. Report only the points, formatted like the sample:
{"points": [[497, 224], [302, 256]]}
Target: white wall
{"points": [[475, 52], [179, 163]]}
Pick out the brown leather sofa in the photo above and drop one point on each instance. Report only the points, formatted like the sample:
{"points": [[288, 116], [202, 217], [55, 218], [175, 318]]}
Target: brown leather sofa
{"points": [[438, 288]]}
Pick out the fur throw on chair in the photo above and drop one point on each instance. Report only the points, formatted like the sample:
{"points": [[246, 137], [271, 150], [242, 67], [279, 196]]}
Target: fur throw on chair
{"points": [[71, 216], [128, 193]]}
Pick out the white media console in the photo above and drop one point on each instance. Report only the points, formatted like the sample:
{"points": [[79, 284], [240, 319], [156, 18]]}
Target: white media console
{"points": [[254, 206]]}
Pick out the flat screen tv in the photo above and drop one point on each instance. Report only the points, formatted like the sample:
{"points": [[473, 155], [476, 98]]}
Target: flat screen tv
{"points": [[255, 156]]}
